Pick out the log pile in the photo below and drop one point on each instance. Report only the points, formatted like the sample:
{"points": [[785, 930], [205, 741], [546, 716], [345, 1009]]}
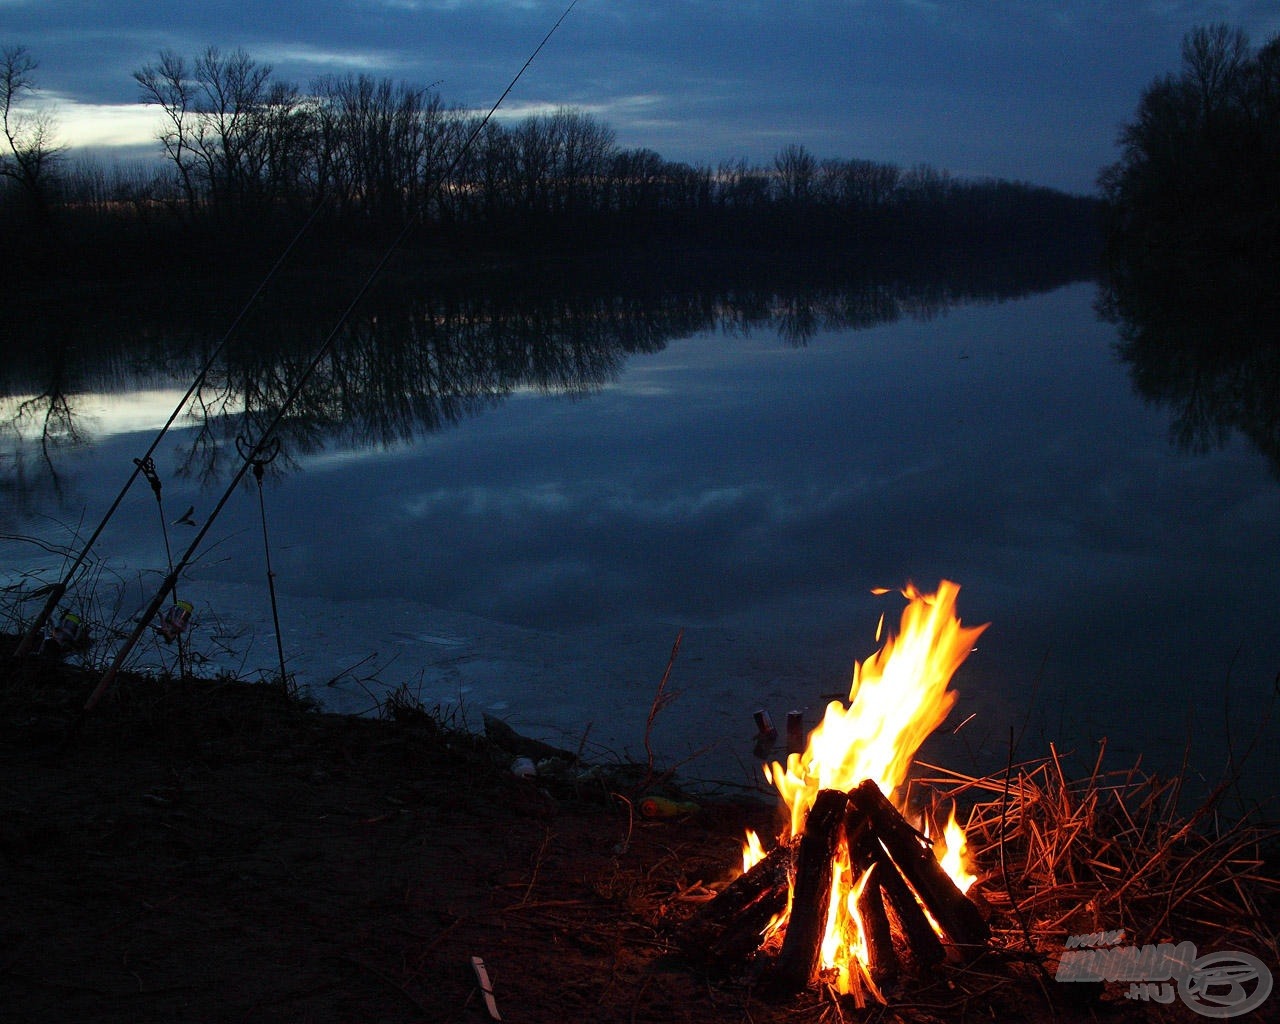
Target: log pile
{"points": [[905, 888]]}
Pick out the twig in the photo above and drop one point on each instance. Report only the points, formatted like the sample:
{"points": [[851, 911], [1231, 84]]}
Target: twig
{"points": [[1004, 867], [660, 700], [625, 844], [537, 864], [486, 987]]}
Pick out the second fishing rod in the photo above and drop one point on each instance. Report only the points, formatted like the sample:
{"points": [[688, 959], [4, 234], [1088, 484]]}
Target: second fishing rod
{"points": [[57, 590], [253, 451]]}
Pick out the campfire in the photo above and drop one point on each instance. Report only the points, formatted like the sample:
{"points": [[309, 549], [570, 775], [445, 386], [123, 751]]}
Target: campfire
{"points": [[853, 893]]}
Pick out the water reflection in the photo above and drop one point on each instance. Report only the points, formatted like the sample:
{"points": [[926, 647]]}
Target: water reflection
{"points": [[418, 357], [730, 485], [1201, 337]]}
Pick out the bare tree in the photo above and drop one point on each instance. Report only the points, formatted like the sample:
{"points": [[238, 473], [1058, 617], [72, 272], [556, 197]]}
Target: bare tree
{"points": [[233, 93], [380, 144], [287, 142], [797, 171], [168, 85], [1213, 60], [484, 186], [535, 164], [463, 183], [741, 186], [29, 135], [635, 177], [583, 149], [233, 135], [867, 184]]}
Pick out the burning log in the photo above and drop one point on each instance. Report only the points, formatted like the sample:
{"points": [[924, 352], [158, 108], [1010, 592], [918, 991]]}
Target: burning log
{"points": [[864, 851], [801, 947], [729, 927], [749, 888], [919, 935], [912, 855], [905, 886], [882, 962]]}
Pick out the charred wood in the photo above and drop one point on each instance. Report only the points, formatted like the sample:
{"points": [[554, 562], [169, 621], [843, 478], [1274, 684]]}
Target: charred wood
{"points": [[802, 945], [882, 961], [744, 935], [759, 892], [915, 928], [959, 918]]}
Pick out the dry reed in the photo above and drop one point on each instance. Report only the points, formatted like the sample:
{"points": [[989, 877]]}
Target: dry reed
{"points": [[1114, 850]]}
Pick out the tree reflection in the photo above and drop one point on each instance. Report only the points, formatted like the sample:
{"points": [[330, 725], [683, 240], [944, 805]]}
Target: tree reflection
{"points": [[47, 416], [418, 356], [1202, 338]]}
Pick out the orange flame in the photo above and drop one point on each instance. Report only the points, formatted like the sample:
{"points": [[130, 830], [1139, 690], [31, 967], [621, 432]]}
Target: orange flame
{"points": [[898, 697], [953, 854]]}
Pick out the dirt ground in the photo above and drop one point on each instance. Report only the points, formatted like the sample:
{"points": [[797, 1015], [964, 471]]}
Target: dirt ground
{"points": [[215, 852]]}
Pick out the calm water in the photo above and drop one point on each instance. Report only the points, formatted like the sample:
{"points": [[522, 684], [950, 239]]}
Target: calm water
{"points": [[538, 556]]}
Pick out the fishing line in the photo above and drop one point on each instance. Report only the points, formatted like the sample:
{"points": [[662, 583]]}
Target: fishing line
{"points": [[147, 467], [266, 436], [60, 588], [266, 456]]}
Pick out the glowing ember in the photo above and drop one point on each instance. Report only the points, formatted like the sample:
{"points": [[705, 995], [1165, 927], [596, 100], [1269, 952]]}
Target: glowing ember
{"points": [[898, 697]]}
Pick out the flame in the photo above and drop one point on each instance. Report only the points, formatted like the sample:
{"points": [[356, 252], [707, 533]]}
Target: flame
{"points": [[953, 854], [897, 698], [752, 851], [844, 947], [837, 936]]}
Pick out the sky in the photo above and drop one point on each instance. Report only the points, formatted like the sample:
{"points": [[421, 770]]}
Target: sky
{"points": [[1014, 89]]}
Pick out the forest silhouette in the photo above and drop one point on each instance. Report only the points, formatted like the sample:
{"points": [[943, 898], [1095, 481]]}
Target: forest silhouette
{"points": [[243, 159], [1192, 254]]}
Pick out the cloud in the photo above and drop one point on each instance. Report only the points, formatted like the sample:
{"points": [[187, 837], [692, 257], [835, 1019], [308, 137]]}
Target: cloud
{"points": [[98, 125], [513, 502], [450, 6], [1028, 91], [329, 58]]}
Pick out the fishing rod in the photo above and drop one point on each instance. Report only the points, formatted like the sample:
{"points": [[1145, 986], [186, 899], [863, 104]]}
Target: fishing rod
{"points": [[264, 439], [60, 588]]}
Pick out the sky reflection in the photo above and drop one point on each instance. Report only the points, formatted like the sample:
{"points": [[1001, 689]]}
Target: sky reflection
{"points": [[742, 482], [744, 485]]}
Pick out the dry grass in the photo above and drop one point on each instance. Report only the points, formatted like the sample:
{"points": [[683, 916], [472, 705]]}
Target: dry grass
{"points": [[1116, 849]]}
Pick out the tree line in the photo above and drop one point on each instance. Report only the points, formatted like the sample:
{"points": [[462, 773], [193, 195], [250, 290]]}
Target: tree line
{"points": [[242, 150], [1191, 269], [1199, 173]]}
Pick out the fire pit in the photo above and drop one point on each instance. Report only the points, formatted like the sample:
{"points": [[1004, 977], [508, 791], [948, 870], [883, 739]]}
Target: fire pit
{"points": [[853, 893]]}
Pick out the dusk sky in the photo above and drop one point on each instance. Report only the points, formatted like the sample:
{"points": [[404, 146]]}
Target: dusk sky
{"points": [[1030, 91]]}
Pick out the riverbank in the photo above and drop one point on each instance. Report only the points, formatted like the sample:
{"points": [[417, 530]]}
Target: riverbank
{"points": [[218, 851]]}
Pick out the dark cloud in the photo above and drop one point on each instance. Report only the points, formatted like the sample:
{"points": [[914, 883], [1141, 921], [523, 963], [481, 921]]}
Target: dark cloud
{"points": [[1026, 91]]}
